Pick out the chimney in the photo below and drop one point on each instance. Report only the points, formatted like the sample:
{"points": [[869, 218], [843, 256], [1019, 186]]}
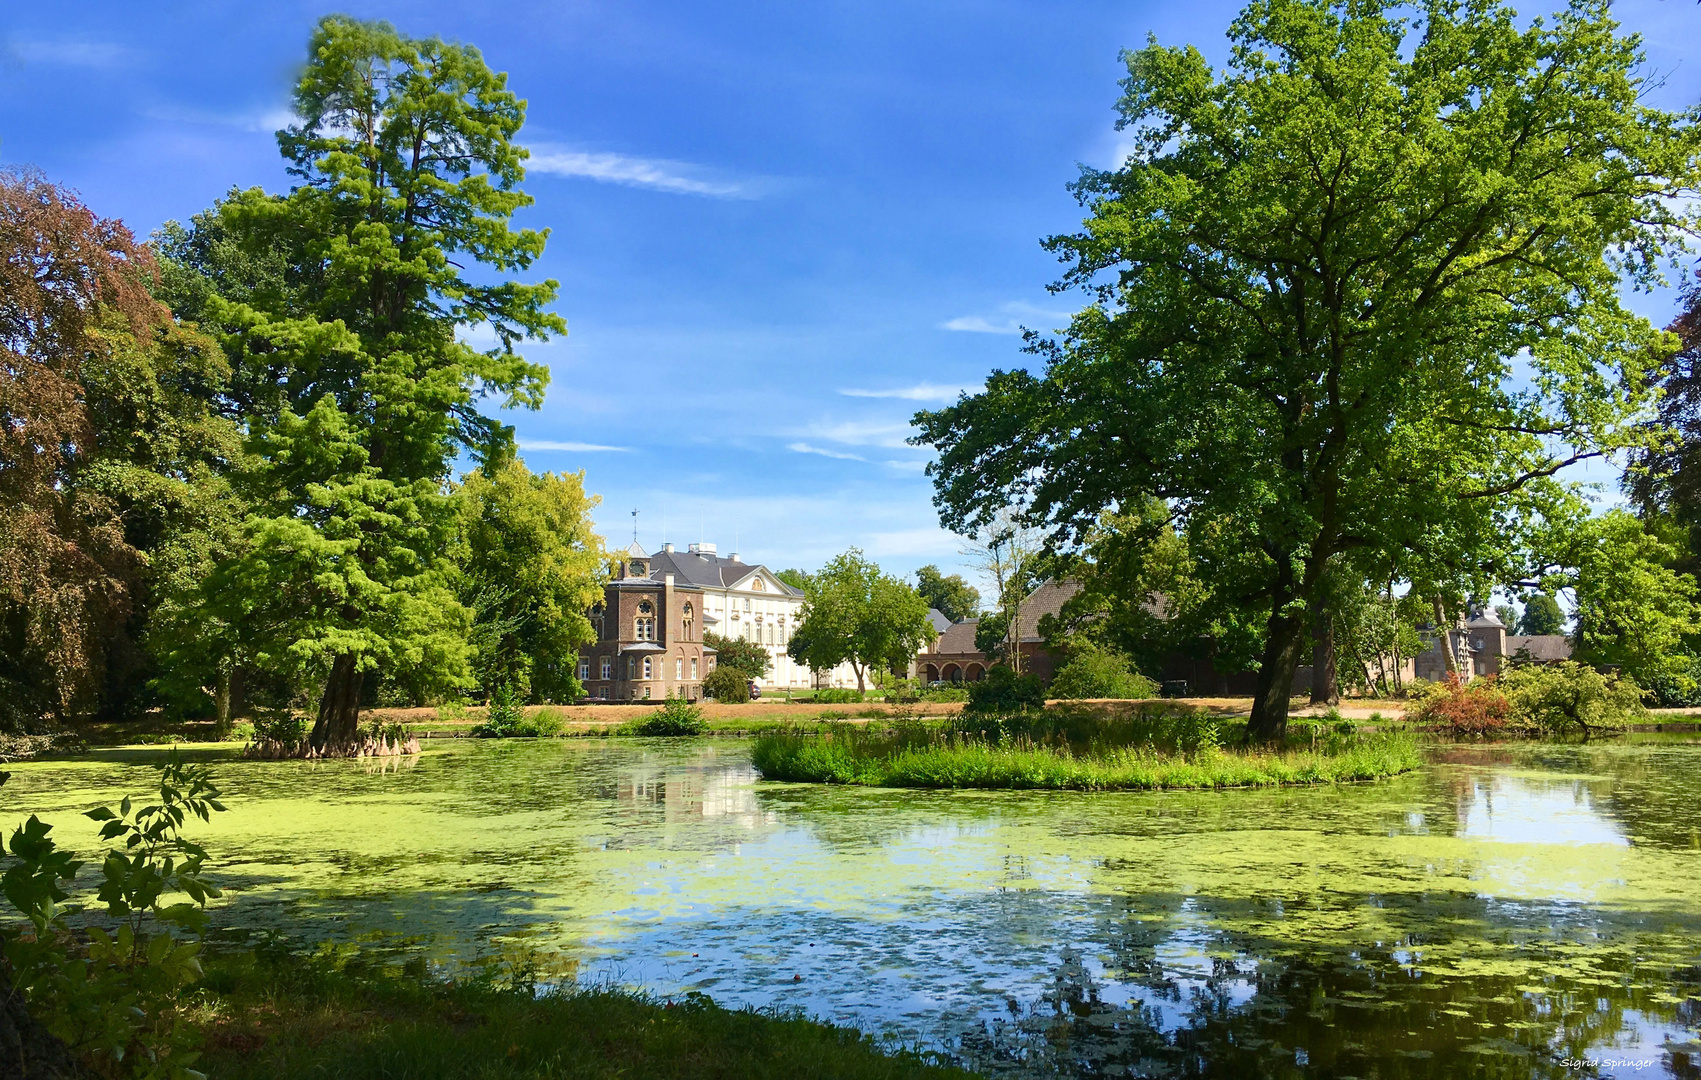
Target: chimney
{"points": [[732, 556], [668, 547], [707, 550]]}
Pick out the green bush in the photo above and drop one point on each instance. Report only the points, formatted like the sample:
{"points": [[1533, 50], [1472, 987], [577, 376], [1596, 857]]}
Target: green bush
{"points": [[676, 717], [1677, 686], [115, 994], [502, 718], [286, 728], [838, 695], [1095, 672], [1570, 697], [1004, 691], [729, 686]]}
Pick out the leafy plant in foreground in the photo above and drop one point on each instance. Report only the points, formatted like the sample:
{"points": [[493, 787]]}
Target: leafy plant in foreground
{"points": [[115, 999], [676, 717]]}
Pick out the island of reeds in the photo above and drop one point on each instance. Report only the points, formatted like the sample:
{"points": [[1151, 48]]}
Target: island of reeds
{"points": [[1143, 748]]}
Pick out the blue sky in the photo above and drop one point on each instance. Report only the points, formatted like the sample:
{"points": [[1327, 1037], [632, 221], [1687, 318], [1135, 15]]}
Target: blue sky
{"points": [[779, 228]]}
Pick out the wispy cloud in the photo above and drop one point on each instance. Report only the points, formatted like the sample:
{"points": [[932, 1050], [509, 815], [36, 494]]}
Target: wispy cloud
{"points": [[918, 392], [83, 54], [1013, 317], [657, 174], [860, 433], [577, 447], [805, 448], [907, 466]]}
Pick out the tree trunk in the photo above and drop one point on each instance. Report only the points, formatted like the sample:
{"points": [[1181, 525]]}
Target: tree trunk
{"points": [[1324, 688], [339, 708], [1446, 637], [29, 1051], [857, 668], [1269, 720]]}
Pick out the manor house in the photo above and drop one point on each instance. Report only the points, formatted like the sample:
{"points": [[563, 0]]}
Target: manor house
{"points": [[654, 613]]}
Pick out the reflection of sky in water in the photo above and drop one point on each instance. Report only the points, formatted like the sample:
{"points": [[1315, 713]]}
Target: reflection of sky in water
{"points": [[938, 917], [1520, 811]]}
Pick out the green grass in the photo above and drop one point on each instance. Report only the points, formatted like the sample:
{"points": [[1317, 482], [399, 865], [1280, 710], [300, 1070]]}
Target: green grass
{"points": [[1076, 751], [299, 1017]]}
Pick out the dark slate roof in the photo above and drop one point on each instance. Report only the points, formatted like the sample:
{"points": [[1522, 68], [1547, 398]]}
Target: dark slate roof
{"points": [[642, 646], [958, 637], [1545, 648], [704, 571], [938, 619]]}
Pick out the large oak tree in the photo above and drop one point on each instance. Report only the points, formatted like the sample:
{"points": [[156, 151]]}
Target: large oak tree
{"points": [[1356, 295]]}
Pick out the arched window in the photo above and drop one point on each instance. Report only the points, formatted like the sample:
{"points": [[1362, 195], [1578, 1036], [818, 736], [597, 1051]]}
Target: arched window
{"points": [[649, 669], [689, 612], [645, 629]]}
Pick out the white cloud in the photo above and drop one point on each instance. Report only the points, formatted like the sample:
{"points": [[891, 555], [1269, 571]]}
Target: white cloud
{"points": [[577, 447], [84, 54], [805, 448], [1014, 316], [907, 466], [860, 433], [918, 392], [658, 174]]}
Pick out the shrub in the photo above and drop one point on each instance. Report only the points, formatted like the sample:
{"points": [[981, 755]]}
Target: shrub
{"points": [[1095, 672], [905, 691], [1004, 691], [116, 994], [285, 728], [1677, 686], [676, 717], [1561, 698], [502, 719], [837, 695], [1464, 709], [947, 693], [730, 686]]}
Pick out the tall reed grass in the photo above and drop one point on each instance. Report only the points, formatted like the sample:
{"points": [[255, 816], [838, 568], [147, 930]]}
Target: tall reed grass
{"points": [[1073, 750]]}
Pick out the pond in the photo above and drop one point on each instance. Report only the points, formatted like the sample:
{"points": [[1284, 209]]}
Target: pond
{"points": [[1505, 912]]}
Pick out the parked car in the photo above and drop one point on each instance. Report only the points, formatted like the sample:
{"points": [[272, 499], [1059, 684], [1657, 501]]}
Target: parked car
{"points": [[755, 690]]}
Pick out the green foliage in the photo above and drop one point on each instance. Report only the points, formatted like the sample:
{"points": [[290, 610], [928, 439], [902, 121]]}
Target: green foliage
{"points": [[357, 387], [1570, 697], [837, 695], [287, 728], [1092, 671], [531, 567], [797, 579], [741, 655], [118, 999], [1677, 685], [1078, 751], [955, 598], [1542, 615], [729, 686], [1311, 283], [503, 715], [675, 717], [1633, 611], [1004, 691], [855, 613]]}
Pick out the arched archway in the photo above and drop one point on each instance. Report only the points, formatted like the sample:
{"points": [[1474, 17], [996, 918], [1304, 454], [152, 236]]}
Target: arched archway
{"points": [[932, 673], [975, 673], [952, 673]]}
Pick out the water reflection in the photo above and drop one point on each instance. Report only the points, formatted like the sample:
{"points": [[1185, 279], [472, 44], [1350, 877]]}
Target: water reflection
{"points": [[1509, 912]]}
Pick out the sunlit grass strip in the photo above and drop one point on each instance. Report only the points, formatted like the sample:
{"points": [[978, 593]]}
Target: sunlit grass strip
{"points": [[835, 760]]}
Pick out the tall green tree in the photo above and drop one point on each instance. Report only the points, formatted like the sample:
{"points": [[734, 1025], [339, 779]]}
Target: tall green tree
{"points": [[748, 658], [853, 612], [1542, 615], [345, 326], [955, 598], [531, 567], [1313, 279]]}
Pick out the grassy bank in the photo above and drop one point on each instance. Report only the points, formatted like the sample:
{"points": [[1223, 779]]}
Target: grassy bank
{"points": [[1082, 751], [290, 1016]]}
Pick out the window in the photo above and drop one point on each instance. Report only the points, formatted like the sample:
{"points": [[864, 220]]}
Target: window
{"points": [[631, 667], [693, 667], [584, 668], [649, 671], [687, 620], [646, 628], [607, 667], [646, 693], [644, 608], [770, 633], [747, 603]]}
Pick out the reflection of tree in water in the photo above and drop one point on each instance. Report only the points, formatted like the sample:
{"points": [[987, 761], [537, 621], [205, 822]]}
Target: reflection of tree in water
{"points": [[1508, 1001]]}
